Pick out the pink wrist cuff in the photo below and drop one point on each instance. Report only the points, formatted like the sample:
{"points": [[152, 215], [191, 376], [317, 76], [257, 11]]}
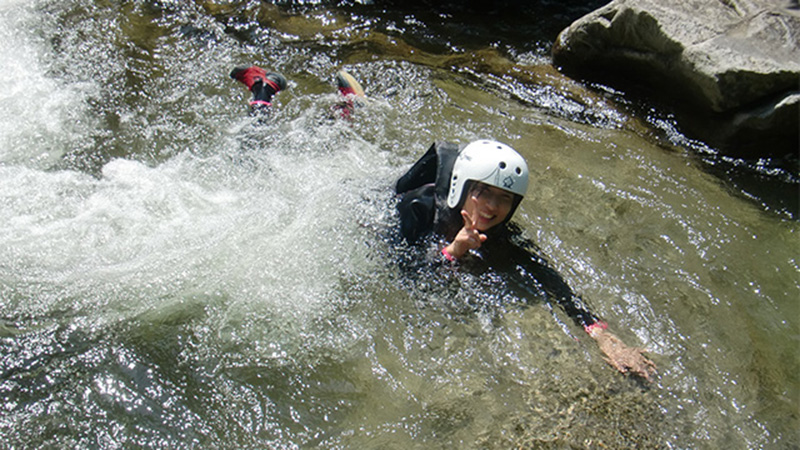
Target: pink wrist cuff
{"points": [[447, 255], [259, 103], [595, 326]]}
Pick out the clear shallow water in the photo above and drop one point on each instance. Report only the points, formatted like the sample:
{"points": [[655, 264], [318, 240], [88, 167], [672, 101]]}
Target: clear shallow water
{"points": [[173, 274]]}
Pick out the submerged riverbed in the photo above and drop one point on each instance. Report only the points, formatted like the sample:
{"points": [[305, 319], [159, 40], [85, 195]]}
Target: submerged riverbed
{"points": [[175, 274]]}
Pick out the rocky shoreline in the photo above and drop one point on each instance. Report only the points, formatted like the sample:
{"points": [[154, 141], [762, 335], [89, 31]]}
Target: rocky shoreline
{"points": [[729, 68]]}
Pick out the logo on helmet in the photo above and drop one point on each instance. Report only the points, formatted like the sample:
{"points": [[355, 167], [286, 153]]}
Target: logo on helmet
{"points": [[508, 182]]}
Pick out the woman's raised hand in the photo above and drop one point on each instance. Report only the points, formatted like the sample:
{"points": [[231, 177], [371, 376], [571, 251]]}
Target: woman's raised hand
{"points": [[468, 237]]}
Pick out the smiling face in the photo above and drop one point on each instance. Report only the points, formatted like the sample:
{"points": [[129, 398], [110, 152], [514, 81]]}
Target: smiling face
{"points": [[488, 205]]}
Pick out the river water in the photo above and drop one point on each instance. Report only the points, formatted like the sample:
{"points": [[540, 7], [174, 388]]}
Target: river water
{"points": [[176, 274]]}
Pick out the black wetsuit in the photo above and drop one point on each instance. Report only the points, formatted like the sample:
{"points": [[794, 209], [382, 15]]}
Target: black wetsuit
{"points": [[424, 215]]}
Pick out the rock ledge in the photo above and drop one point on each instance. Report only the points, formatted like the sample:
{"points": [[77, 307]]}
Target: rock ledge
{"points": [[730, 67]]}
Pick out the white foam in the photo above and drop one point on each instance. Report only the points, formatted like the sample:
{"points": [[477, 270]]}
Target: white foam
{"points": [[273, 234], [39, 114]]}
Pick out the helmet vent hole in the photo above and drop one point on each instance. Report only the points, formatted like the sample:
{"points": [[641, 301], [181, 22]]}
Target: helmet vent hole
{"points": [[502, 164], [518, 170]]}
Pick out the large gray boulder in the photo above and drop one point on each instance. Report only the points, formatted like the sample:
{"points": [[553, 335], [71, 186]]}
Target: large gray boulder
{"points": [[730, 67]]}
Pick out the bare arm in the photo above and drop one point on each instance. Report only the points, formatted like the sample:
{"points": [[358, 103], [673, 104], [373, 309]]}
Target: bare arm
{"points": [[619, 355]]}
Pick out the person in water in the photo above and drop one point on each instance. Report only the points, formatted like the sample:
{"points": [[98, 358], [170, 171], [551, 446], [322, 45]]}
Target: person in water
{"points": [[264, 85], [461, 199]]}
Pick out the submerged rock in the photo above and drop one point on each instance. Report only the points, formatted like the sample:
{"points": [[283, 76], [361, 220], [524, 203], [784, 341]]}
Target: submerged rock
{"points": [[730, 67]]}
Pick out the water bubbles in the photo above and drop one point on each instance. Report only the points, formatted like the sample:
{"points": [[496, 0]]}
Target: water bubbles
{"points": [[175, 273]]}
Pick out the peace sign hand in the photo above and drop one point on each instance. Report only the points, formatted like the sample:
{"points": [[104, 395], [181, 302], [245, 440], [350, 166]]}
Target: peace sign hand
{"points": [[468, 237]]}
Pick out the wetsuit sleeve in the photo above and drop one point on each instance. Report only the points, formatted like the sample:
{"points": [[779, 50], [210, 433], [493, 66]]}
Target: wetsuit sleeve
{"points": [[559, 290], [536, 271]]}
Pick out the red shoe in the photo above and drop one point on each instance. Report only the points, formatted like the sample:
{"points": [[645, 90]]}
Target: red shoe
{"points": [[276, 81], [249, 75], [351, 90], [348, 85], [252, 75]]}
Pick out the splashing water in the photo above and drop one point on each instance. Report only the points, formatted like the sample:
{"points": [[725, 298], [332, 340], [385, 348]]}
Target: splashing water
{"points": [[175, 273]]}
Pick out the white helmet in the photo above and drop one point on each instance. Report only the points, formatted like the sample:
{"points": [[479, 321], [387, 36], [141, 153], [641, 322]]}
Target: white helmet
{"points": [[489, 162]]}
